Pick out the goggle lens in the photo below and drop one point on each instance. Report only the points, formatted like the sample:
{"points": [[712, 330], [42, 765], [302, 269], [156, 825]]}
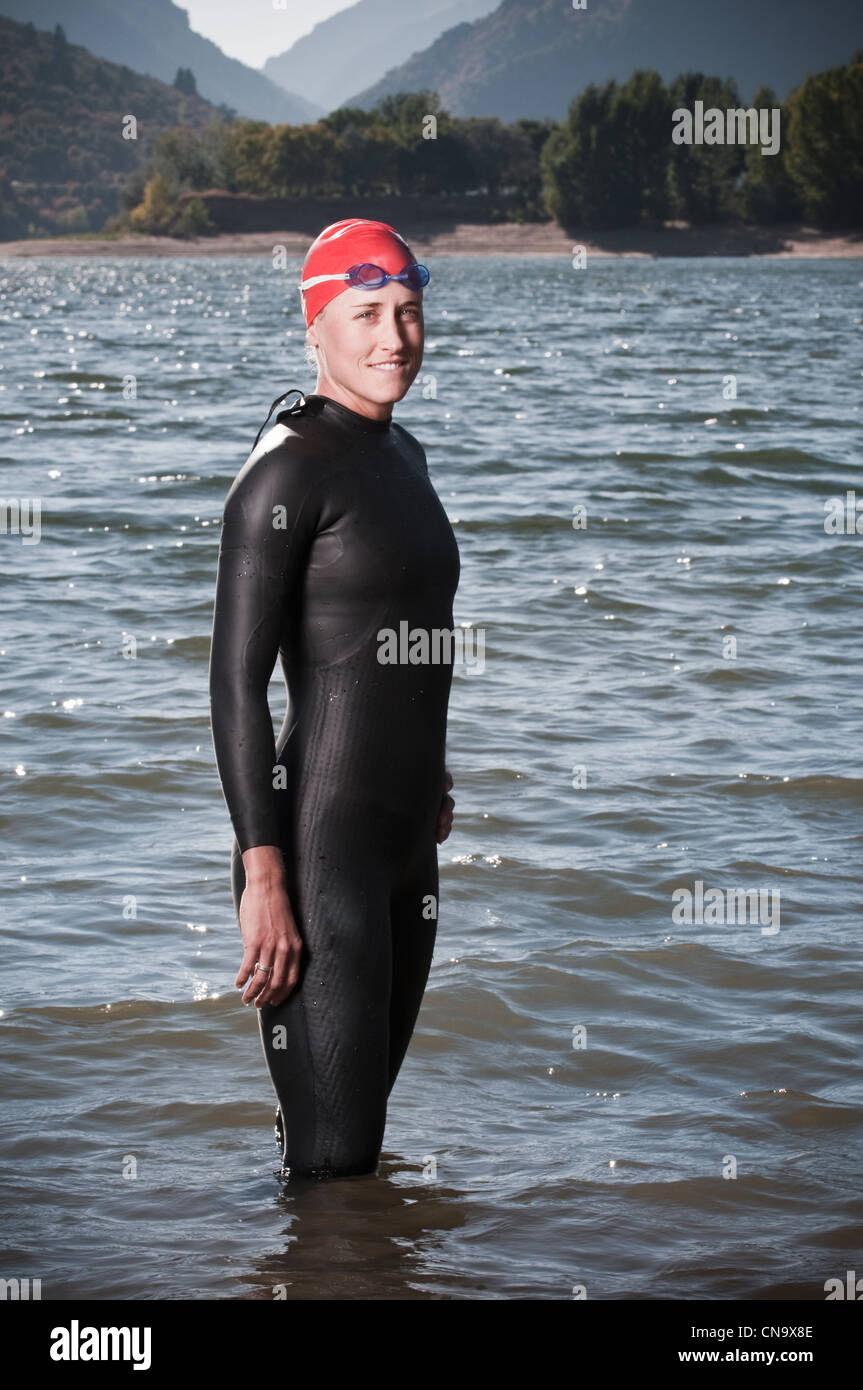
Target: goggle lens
{"points": [[372, 277]]}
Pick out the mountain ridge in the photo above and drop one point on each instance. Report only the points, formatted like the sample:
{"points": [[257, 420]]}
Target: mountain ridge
{"points": [[529, 58], [155, 39], [322, 66]]}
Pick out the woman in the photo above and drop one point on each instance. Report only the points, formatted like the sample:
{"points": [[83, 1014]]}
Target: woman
{"points": [[333, 533]]}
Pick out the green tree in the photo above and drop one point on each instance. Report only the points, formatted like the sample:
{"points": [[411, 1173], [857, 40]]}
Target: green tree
{"points": [[367, 160], [185, 82], [606, 165], [498, 152], [443, 165], [769, 193], [349, 118], [250, 141], [825, 144], [73, 219], [194, 158], [59, 70], [300, 159], [642, 127], [405, 113], [577, 161], [702, 177], [195, 219], [158, 208]]}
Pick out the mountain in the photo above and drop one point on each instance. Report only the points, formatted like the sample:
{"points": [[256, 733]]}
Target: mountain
{"points": [[64, 161], [531, 57], [153, 37], [360, 44]]}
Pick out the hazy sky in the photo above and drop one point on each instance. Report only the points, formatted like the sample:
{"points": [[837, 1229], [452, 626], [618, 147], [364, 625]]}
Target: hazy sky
{"points": [[255, 30]]}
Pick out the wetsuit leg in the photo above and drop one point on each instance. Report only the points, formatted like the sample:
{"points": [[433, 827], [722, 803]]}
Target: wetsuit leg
{"points": [[327, 1045], [413, 928], [335, 1046]]}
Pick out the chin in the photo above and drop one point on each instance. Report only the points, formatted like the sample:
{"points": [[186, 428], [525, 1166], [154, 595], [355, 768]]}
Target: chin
{"points": [[387, 386]]}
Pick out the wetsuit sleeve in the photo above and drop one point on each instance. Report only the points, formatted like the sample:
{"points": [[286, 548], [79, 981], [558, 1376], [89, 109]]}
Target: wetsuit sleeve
{"points": [[421, 457], [268, 524]]}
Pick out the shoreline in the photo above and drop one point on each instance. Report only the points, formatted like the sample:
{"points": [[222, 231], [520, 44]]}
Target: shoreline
{"points": [[781, 241]]}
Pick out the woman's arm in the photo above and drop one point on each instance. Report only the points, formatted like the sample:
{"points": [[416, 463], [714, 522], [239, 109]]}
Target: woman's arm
{"points": [[267, 527], [447, 806], [268, 929]]}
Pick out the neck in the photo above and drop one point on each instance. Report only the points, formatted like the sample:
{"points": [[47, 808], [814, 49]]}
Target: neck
{"points": [[375, 410]]}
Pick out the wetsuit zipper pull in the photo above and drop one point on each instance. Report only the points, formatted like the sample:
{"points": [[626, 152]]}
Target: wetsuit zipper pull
{"points": [[296, 406]]}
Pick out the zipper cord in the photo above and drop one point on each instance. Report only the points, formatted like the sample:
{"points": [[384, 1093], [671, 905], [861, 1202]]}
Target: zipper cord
{"points": [[296, 406]]}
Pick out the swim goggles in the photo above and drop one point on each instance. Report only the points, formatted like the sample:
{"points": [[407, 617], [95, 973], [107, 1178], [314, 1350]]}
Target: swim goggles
{"points": [[372, 277]]}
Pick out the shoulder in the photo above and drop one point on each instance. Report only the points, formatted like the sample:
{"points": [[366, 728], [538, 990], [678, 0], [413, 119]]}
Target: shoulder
{"points": [[287, 446], [285, 463], [411, 445], [279, 478]]}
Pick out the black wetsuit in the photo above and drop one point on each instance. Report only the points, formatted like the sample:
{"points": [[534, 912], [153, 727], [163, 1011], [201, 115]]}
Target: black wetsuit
{"points": [[331, 532]]}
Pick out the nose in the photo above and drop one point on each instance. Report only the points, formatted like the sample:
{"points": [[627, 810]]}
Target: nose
{"points": [[394, 335]]}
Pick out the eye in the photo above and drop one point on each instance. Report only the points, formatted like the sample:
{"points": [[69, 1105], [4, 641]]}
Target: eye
{"points": [[408, 308]]}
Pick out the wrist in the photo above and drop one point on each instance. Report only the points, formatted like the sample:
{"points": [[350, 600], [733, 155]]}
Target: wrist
{"points": [[264, 867]]}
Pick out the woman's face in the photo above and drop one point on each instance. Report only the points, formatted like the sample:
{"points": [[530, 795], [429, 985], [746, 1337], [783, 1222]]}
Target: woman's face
{"points": [[357, 333]]}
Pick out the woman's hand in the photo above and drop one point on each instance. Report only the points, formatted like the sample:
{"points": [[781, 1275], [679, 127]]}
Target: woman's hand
{"points": [[268, 930], [447, 805]]}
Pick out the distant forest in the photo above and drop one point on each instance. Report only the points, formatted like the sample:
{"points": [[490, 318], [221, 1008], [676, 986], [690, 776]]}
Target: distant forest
{"points": [[610, 163]]}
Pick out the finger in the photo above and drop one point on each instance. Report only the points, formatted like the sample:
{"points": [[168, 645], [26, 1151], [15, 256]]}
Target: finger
{"points": [[247, 966], [250, 992], [286, 951], [258, 982], [290, 975], [275, 979], [293, 971], [246, 974]]}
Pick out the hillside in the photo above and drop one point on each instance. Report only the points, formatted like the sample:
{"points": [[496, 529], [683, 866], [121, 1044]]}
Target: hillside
{"points": [[63, 157], [154, 37], [531, 57], [360, 44]]}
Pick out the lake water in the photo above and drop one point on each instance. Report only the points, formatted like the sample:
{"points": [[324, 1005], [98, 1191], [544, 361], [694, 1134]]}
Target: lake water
{"points": [[597, 1094]]}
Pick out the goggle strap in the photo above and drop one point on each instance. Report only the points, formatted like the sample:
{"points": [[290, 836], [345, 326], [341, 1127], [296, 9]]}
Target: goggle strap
{"points": [[344, 275], [319, 279]]}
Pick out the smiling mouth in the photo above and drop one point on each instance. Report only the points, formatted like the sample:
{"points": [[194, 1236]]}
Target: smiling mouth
{"points": [[389, 366]]}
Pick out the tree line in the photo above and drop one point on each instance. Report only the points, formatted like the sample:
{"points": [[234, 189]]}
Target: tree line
{"points": [[610, 163]]}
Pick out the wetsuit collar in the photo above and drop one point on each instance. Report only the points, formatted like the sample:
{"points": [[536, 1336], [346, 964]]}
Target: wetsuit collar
{"points": [[329, 409]]}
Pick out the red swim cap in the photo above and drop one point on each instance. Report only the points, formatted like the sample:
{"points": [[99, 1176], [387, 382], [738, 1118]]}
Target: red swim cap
{"points": [[352, 242]]}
